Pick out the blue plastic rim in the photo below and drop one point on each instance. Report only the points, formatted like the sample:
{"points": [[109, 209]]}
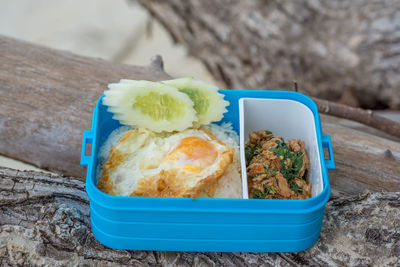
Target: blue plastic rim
{"points": [[122, 210]]}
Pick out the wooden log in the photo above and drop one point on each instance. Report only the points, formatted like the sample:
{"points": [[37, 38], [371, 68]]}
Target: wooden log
{"points": [[363, 161], [47, 98], [44, 221], [346, 50]]}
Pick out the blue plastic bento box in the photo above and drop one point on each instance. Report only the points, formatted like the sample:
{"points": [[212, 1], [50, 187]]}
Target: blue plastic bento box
{"points": [[224, 225]]}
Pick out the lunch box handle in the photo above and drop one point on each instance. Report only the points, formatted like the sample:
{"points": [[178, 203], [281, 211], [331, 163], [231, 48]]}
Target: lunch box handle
{"points": [[87, 139], [326, 143]]}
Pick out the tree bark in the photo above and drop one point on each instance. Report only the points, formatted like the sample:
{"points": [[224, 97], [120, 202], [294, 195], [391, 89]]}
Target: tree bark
{"points": [[47, 98], [363, 161], [44, 221], [333, 49]]}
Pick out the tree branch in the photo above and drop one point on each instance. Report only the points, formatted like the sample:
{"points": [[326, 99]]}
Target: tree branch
{"points": [[367, 117]]}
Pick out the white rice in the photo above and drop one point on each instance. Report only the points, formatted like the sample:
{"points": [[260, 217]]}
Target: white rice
{"points": [[230, 184], [105, 148]]}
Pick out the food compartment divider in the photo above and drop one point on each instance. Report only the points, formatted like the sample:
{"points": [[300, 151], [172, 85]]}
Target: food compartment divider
{"points": [[277, 116]]}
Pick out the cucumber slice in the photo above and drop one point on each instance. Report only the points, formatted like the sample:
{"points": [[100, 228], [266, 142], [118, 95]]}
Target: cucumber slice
{"points": [[155, 106], [208, 103]]}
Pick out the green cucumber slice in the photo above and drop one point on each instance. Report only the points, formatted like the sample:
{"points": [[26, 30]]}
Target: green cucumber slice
{"points": [[208, 103], [155, 106]]}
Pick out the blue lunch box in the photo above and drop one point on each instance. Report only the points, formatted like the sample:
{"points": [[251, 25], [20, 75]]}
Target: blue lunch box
{"points": [[207, 224]]}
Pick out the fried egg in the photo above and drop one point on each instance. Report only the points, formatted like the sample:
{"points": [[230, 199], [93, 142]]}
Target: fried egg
{"points": [[182, 164]]}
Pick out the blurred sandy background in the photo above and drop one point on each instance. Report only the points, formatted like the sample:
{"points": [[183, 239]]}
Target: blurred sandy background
{"points": [[118, 30]]}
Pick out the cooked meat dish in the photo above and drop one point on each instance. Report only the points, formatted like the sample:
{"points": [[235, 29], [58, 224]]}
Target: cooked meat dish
{"points": [[275, 169]]}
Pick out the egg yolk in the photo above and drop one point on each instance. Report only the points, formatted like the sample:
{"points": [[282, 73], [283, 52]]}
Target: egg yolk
{"points": [[194, 153]]}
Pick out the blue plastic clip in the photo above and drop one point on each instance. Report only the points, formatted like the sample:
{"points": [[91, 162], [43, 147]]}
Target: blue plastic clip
{"points": [[87, 139], [326, 143]]}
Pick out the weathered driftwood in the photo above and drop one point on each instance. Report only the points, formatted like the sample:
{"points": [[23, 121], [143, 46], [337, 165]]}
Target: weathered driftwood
{"points": [[44, 220], [274, 48], [363, 161], [335, 49], [46, 100]]}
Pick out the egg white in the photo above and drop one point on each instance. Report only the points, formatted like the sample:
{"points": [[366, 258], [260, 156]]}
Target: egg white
{"points": [[146, 155]]}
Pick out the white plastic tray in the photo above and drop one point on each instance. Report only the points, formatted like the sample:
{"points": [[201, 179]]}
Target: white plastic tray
{"points": [[286, 118]]}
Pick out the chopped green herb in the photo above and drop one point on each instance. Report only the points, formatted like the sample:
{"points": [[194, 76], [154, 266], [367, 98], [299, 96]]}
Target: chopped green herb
{"points": [[255, 176], [269, 171], [267, 190], [257, 193], [284, 152], [268, 132], [296, 188], [270, 190], [249, 152], [281, 149]]}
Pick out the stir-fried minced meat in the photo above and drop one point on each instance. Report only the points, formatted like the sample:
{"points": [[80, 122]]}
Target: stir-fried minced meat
{"points": [[276, 169]]}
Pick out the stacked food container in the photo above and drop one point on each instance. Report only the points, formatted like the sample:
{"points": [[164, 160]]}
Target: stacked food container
{"points": [[208, 224]]}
